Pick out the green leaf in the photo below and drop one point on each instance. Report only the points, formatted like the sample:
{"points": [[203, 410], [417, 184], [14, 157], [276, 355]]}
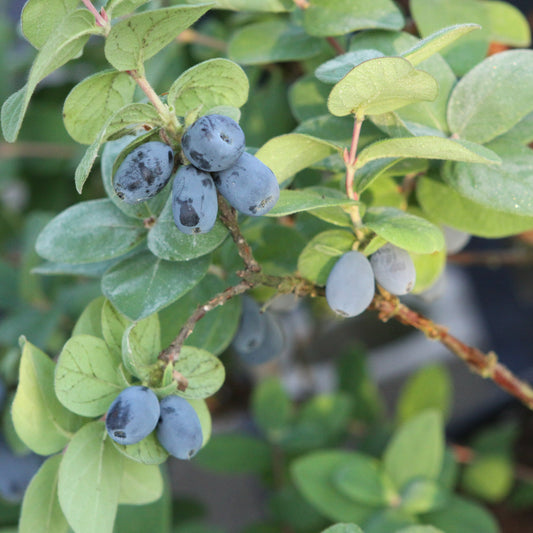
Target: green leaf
{"points": [[428, 388], [288, 154], [435, 42], [272, 41], [117, 8], [86, 378], [428, 147], [335, 69], [142, 284], [141, 344], [462, 515], [113, 324], [504, 188], [271, 407], [167, 242], [140, 484], [379, 86], [40, 421], [308, 98], [147, 451], [41, 17], [40, 507], [204, 372], [343, 528], [420, 529], [387, 520], [236, 453], [89, 231], [407, 231], [66, 42], [489, 477], [218, 327], [216, 82], [276, 6], [91, 103], [126, 119], [90, 321], [89, 480], [492, 97], [446, 205], [337, 17], [429, 268], [362, 479], [136, 39], [322, 252], [421, 437], [294, 201], [423, 495], [312, 475]]}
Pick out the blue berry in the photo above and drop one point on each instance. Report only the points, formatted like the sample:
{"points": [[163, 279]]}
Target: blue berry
{"points": [[179, 430], [271, 345], [194, 200], [249, 186], [213, 142], [144, 172], [455, 239], [133, 415], [394, 269], [252, 327], [350, 285]]}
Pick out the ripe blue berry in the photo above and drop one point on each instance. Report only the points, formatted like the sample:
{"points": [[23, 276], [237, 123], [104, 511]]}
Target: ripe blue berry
{"points": [[249, 186], [350, 285], [271, 346], [213, 142], [194, 200], [252, 327], [394, 269], [179, 430], [144, 172], [133, 415]]}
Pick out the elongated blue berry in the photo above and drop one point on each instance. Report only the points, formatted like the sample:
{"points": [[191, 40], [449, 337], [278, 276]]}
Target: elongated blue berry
{"points": [[144, 172], [394, 269], [133, 415], [213, 142], [194, 200]]}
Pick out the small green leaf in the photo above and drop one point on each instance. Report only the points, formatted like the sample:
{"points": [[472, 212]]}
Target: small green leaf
{"points": [[136, 39], [312, 475], [86, 378], [343, 528], [235, 453], [117, 8], [42, 423], [420, 529], [272, 41], [379, 86], [40, 18], [216, 82], [362, 479], [489, 477], [428, 388], [308, 97], [65, 43], [423, 495], [204, 372], [147, 451], [322, 252], [407, 231], [89, 231], [113, 324], [429, 268], [40, 507], [294, 201], [90, 321], [91, 103], [140, 484], [337, 17], [492, 97], [143, 284], [126, 120], [141, 344], [271, 407], [386, 520], [504, 188], [335, 69], [446, 205], [288, 154], [435, 42], [89, 480], [421, 437], [275, 6], [167, 242]]}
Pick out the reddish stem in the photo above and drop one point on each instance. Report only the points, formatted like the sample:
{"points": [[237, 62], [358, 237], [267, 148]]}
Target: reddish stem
{"points": [[100, 20]]}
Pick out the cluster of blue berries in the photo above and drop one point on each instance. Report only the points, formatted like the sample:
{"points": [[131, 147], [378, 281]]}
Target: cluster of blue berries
{"points": [[214, 145], [351, 283], [136, 412]]}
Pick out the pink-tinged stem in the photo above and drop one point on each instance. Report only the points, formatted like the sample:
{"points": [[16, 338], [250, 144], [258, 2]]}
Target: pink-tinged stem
{"points": [[350, 158], [100, 20]]}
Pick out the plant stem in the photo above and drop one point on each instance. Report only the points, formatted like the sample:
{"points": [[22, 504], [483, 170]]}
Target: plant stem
{"points": [[101, 18], [335, 45], [350, 160], [193, 36], [37, 149], [486, 365], [493, 258]]}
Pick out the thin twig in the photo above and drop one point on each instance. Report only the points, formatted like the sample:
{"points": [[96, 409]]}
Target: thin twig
{"points": [[100, 18], [493, 258], [193, 36], [37, 149], [350, 160], [335, 45]]}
